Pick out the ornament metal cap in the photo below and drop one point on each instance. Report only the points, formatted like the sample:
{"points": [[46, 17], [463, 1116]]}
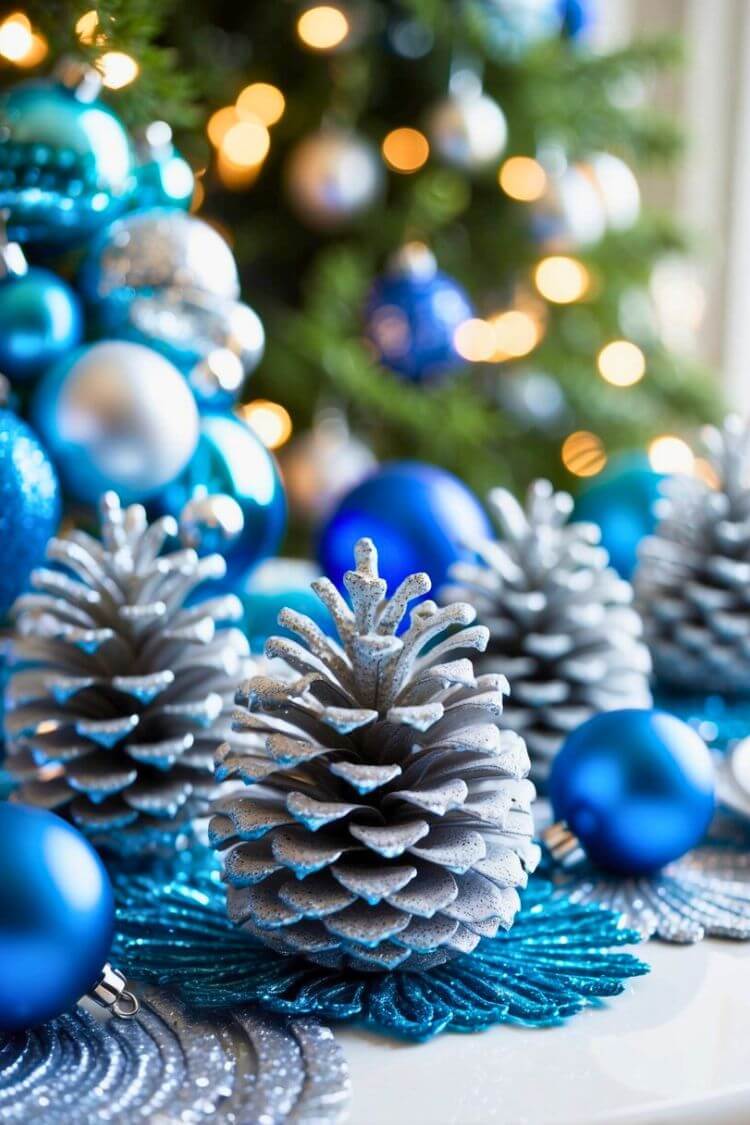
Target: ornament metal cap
{"points": [[112, 992], [563, 845]]}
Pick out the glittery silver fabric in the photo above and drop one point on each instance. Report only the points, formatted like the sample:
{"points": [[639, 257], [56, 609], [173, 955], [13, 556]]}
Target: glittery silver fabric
{"points": [[121, 693], [386, 819], [561, 623], [246, 1068], [693, 581]]}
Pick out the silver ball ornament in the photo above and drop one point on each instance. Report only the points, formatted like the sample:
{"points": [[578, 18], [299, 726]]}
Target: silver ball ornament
{"points": [[570, 214], [116, 415], [617, 188], [210, 523], [468, 129], [320, 466], [333, 176]]}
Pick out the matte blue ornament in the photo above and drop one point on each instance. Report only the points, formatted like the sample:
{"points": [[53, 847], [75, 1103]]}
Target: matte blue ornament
{"points": [[29, 505], [275, 585], [66, 164], [56, 916], [621, 502], [412, 315], [230, 466], [636, 787], [165, 179], [419, 515], [40, 320]]}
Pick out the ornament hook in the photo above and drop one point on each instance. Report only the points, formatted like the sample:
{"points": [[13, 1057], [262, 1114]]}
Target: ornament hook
{"points": [[113, 994]]}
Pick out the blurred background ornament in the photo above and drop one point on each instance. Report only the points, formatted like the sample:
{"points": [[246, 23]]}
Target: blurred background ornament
{"points": [[412, 314], [116, 415], [536, 400], [322, 464], [277, 584], [467, 128], [733, 779], [230, 497], [57, 916], [420, 516], [570, 213], [29, 505], [512, 27], [678, 290], [332, 177], [617, 188], [621, 502], [164, 178], [579, 18], [167, 279], [66, 163]]}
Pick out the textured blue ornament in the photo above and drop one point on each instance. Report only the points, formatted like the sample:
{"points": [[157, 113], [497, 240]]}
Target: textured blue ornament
{"points": [[40, 320], [56, 916], [412, 315], [29, 505], [636, 787], [621, 502], [230, 460], [275, 585], [419, 516], [66, 164]]}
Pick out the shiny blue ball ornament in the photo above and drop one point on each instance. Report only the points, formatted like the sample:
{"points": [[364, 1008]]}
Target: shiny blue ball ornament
{"points": [[412, 315], [636, 787], [578, 18], [418, 515], [66, 163], [165, 179], [56, 916], [278, 584], [29, 505], [621, 501], [40, 320]]}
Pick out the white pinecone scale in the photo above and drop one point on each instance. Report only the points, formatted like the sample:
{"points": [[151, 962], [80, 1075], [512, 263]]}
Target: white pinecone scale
{"points": [[385, 819]]}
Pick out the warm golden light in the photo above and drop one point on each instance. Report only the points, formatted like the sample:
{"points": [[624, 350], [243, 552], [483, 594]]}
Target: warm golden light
{"points": [[262, 102], [522, 178], [670, 454], [583, 454], [270, 421], [322, 27], [516, 334], [36, 53], [561, 280], [199, 195], [621, 363], [16, 39], [220, 123], [705, 471], [246, 144], [117, 69], [236, 177], [87, 25], [405, 150], [475, 340]]}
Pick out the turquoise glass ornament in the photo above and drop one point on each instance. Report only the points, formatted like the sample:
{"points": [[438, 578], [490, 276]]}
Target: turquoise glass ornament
{"points": [[66, 163], [230, 497], [621, 501], [165, 179], [636, 787], [278, 584], [40, 320], [56, 916]]}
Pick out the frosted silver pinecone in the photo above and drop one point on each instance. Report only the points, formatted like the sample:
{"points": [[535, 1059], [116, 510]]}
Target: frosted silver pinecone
{"points": [[693, 579], [122, 694], [561, 623], [387, 819]]}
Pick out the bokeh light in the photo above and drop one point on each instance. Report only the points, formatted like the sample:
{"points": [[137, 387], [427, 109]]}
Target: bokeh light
{"points": [[219, 124], [517, 332], [621, 363], [16, 38], [246, 143], [86, 26], [117, 69], [261, 101], [474, 340], [322, 27], [270, 421], [583, 454], [405, 150], [670, 454], [522, 178], [561, 279]]}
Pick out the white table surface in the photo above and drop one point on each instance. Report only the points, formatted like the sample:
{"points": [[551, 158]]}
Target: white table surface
{"points": [[673, 1048]]}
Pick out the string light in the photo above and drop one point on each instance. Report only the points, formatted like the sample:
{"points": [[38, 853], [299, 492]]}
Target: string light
{"points": [[474, 340], [261, 101], [522, 178], [516, 331], [236, 177], [621, 363], [220, 123], [16, 38], [246, 143], [583, 454], [270, 421], [405, 150], [117, 69], [86, 27], [322, 27], [670, 454], [561, 280]]}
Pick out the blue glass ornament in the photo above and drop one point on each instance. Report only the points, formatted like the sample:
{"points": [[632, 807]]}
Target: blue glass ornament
{"points": [[578, 18], [512, 27], [636, 787], [412, 315], [419, 516], [165, 179], [56, 916], [66, 164], [40, 320], [275, 585], [29, 505], [230, 463], [621, 501]]}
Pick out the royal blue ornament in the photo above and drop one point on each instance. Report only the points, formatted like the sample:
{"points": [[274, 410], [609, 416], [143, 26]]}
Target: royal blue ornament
{"points": [[419, 516], [578, 18], [29, 505], [165, 179], [56, 916], [636, 787], [621, 501], [66, 164], [230, 497], [412, 315], [280, 584], [40, 320]]}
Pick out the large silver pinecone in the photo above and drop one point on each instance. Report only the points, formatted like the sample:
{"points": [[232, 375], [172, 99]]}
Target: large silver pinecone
{"points": [[561, 621], [122, 694], [693, 579], [386, 820]]}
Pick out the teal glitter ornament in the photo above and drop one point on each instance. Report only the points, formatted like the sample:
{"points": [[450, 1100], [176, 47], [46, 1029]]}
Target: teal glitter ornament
{"points": [[66, 162], [165, 179]]}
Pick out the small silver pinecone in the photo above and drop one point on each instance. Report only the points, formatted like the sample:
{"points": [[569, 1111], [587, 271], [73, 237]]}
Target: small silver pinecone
{"points": [[560, 620], [121, 693], [386, 820], [693, 579]]}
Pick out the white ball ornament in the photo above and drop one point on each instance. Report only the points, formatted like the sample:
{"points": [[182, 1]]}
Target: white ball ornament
{"points": [[617, 189], [333, 176], [570, 214], [468, 129]]}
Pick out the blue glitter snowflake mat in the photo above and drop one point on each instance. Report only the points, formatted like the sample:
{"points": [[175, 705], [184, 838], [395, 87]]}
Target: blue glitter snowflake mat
{"points": [[557, 959]]}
